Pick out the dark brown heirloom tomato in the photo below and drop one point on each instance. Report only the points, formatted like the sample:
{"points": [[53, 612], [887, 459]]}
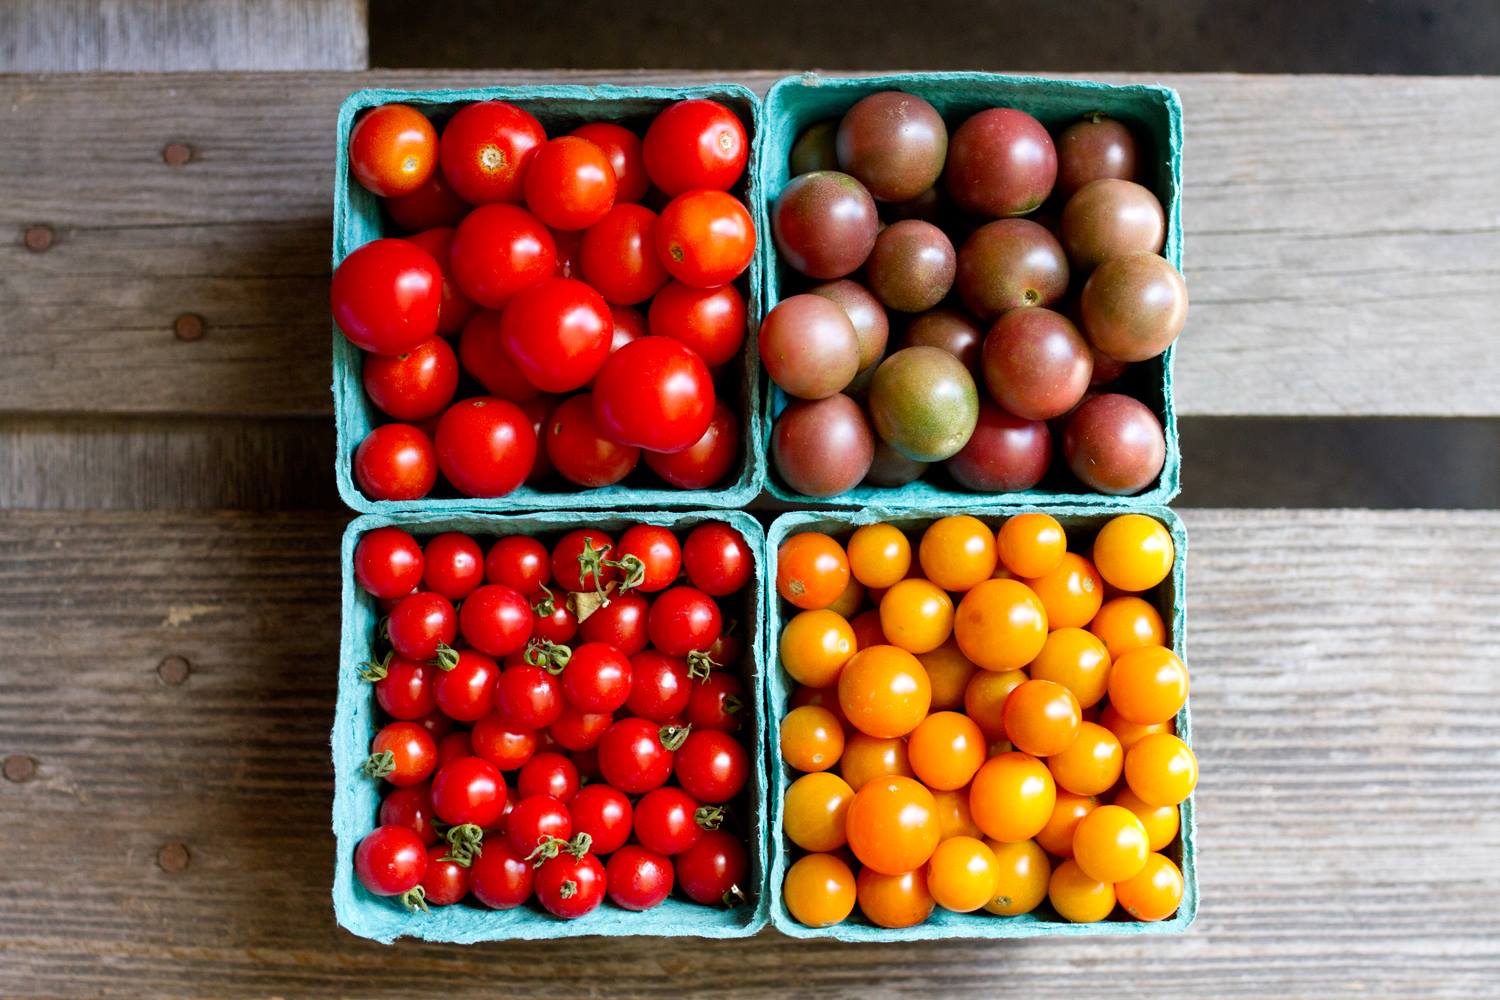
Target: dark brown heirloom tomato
{"points": [[1106, 368], [1010, 263], [1036, 363], [1110, 218], [824, 224], [814, 149], [1093, 148], [871, 325], [822, 447], [949, 330], [1114, 444], [894, 143], [912, 266], [1005, 453], [1133, 307], [891, 468], [923, 403], [1000, 162], [809, 347]]}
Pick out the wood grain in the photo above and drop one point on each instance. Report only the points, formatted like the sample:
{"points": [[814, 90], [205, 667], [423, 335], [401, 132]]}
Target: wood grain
{"points": [[1344, 699]]}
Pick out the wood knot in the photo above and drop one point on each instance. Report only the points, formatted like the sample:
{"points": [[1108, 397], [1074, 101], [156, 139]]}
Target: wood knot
{"points": [[189, 326], [176, 154], [173, 857], [19, 768], [38, 238], [173, 670]]}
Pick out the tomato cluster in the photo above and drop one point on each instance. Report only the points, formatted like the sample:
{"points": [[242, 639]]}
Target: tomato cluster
{"points": [[564, 722], [983, 720], [562, 309]]}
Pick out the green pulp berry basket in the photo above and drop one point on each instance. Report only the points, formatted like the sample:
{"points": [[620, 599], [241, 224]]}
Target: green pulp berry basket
{"points": [[1081, 523], [357, 219], [356, 798], [1153, 112]]}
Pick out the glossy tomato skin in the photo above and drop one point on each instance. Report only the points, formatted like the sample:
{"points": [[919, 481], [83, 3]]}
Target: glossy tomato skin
{"points": [[420, 623], [406, 690], [705, 462], [718, 703], [712, 766], [657, 550], [388, 562], [469, 790], [570, 184], [623, 149], [570, 887], [713, 871], [695, 144], [413, 752], [495, 620], [638, 879], [682, 620], [503, 743], [630, 326], [655, 394], [578, 731], [579, 450], [485, 358], [393, 150], [717, 560], [415, 384], [535, 818], [520, 563], [410, 808], [390, 860], [467, 692], [605, 814], [395, 462], [559, 625], [454, 308], [499, 877], [666, 821], [549, 773], [454, 565], [617, 255], [455, 745], [528, 697], [596, 679], [386, 296], [432, 205], [498, 250], [712, 321], [445, 881], [485, 150], [705, 238], [621, 623], [485, 446], [660, 688], [558, 332], [632, 757]]}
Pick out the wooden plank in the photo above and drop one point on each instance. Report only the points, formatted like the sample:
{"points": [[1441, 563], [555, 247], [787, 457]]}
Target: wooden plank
{"points": [[69, 36], [1337, 266], [1344, 692]]}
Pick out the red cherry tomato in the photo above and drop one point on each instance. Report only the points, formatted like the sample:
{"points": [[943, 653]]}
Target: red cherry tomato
{"points": [[455, 745], [682, 620], [712, 766], [467, 692], [618, 255], [558, 333], [695, 144], [422, 623], [539, 411], [446, 881], [551, 774], [485, 446], [520, 563], [605, 814], [390, 860], [551, 619], [714, 870], [656, 554], [717, 560], [469, 790], [455, 565], [580, 452], [568, 242], [707, 461], [484, 357], [570, 183], [495, 620], [395, 462], [660, 688], [575, 730], [393, 149], [432, 205], [533, 820], [709, 320], [386, 296], [388, 562], [502, 743], [623, 149], [638, 879], [454, 307], [499, 250], [655, 394], [705, 238], [485, 150], [666, 821], [413, 385], [630, 326], [596, 679], [402, 753], [632, 757], [726, 650], [528, 697], [406, 690], [718, 702], [411, 808], [621, 623], [578, 557], [436, 723], [569, 885], [499, 877]]}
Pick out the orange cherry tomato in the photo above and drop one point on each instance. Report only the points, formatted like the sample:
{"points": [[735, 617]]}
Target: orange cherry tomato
{"points": [[1057, 835], [867, 631], [1000, 625], [1078, 898], [1126, 623], [868, 757], [879, 555], [814, 647], [894, 900], [1041, 718], [821, 697], [957, 553], [1091, 764], [812, 738], [962, 874], [946, 749], [1148, 685], [1109, 844], [916, 615], [892, 825], [815, 810], [819, 890], [984, 699], [884, 691], [1078, 661], [1072, 593], [393, 150], [1161, 822], [850, 601], [1012, 796], [1155, 892], [1161, 769], [1021, 874], [949, 671], [1031, 545], [1134, 552], [811, 570], [954, 818], [1127, 732]]}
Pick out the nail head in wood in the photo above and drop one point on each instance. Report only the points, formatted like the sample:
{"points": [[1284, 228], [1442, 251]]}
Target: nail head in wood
{"points": [[189, 326], [38, 238], [18, 768], [173, 670], [177, 154], [172, 857]]}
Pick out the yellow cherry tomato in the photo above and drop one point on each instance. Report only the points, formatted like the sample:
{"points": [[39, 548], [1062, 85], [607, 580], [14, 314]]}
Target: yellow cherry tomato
{"points": [[949, 671], [1057, 835], [1000, 625], [1078, 898], [892, 825], [946, 749], [1031, 545], [822, 698], [1078, 661], [815, 810], [879, 555], [1134, 552], [814, 647], [1091, 764], [1072, 593], [812, 739], [916, 615], [1148, 685], [1021, 874], [1041, 718], [957, 552], [1012, 796], [962, 874], [869, 757], [1161, 822], [1153, 893], [954, 818], [819, 890], [894, 900], [850, 601], [1127, 732], [984, 699], [884, 691], [1161, 769], [1126, 623], [1109, 844]]}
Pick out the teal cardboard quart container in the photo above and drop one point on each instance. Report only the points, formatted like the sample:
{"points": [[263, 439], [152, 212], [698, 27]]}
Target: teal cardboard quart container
{"points": [[1081, 524], [357, 219], [1154, 113], [356, 798]]}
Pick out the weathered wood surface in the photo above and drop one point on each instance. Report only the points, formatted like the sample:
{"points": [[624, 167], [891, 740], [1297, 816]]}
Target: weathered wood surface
{"points": [[1342, 240], [1344, 698]]}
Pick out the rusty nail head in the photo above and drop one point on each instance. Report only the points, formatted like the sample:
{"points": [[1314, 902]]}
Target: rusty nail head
{"points": [[189, 326], [38, 238], [176, 154], [173, 670], [18, 768], [172, 857]]}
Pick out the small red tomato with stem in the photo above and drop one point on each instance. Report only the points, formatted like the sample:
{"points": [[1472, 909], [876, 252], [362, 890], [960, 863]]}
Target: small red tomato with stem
{"points": [[404, 688], [415, 384], [654, 393], [432, 205], [579, 449], [466, 692], [422, 626], [660, 688], [550, 618], [388, 562], [667, 821], [605, 814], [485, 446], [705, 238], [402, 753], [528, 697], [717, 702], [571, 884], [519, 562], [390, 861], [570, 183], [411, 808], [623, 149], [635, 755], [717, 559], [495, 620], [393, 150], [395, 462], [386, 296], [485, 150], [638, 879], [446, 881], [484, 357], [499, 877], [617, 255], [712, 321], [596, 679], [454, 307], [684, 620], [649, 557], [454, 565], [714, 870], [503, 743], [498, 250], [549, 773], [712, 766], [707, 461], [558, 332], [695, 144], [580, 560], [535, 819], [621, 623], [575, 730]]}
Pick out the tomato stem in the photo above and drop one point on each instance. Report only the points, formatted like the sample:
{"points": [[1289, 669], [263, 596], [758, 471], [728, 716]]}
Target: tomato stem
{"points": [[447, 657], [465, 842], [734, 896], [732, 704], [378, 765], [591, 563], [709, 817], [415, 899], [546, 848], [383, 629], [550, 656], [547, 606], [632, 570], [568, 889], [672, 737], [375, 670], [700, 664]]}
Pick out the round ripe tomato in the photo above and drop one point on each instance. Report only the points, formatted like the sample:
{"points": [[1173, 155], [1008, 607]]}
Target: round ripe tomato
{"points": [[1078, 898], [1126, 623], [578, 560], [1072, 593], [428, 207], [1148, 685], [605, 814], [390, 860], [485, 150], [695, 144], [501, 743], [632, 756], [406, 690], [949, 672], [468, 791], [867, 631], [551, 620], [1022, 871], [1031, 545], [528, 697], [623, 149], [445, 881], [1127, 732], [1012, 796], [596, 679], [485, 446], [1091, 764], [413, 385], [650, 556], [576, 731], [1134, 552], [718, 702], [568, 241], [495, 620], [455, 307], [621, 623], [812, 739], [421, 625], [879, 555], [395, 462], [436, 723], [1076, 660], [894, 900], [892, 825], [455, 745], [705, 462], [713, 871], [705, 238], [535, 819], [410, 808], [867, 758], [946, 749], [617, 255], [1069, 810], [725, 651], [579, 450], [551, 774], [712, 766], [1161, 769], [520, 563], [985, 696], [1000, 625], [402, 753], [1109, 844], [1042, 718], [660, 688], [654, 393], [467, 692], [711, 321], [454, 565], [387, 562], [570, 885], [1155, 892], [954, 818], [850, 601], [916, 615], [570, 183], [884, 691], [811, 570], [819, 890], [499, 250], [683, 620], [386, 296], [483, 356], [962, 874], [393, 149], [1161, 822], [815, 811], [957, 552], [666, 821], [717, 560], [638, 879], [499, 877], [558, 332], [630, 326]]}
